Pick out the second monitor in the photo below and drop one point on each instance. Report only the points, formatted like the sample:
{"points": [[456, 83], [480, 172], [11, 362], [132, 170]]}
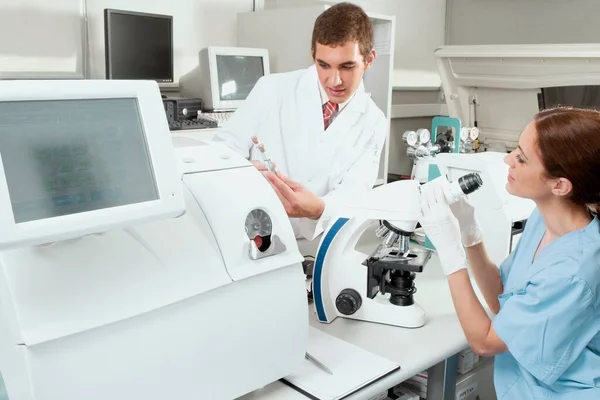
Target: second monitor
{"points": [[138, 45], [225, 76]]}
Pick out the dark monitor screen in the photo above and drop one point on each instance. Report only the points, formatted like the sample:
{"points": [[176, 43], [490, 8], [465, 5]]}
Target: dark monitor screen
{"points": [[138, 45], [238, 75], [63, 157], [587, 96]]}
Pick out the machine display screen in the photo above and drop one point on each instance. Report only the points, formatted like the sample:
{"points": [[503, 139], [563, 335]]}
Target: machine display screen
{"points": [[64, 157], [237, 75], [570, 96]]}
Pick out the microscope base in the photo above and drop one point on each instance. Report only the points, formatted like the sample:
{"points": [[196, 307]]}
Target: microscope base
{"points": [[380, 310]]}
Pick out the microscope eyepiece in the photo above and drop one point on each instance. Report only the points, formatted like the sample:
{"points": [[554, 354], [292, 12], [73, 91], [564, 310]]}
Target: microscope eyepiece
{"points": [[464, 185], [470, 182]]}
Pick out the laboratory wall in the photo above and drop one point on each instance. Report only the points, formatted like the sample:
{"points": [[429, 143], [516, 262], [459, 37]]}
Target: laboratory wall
{"points": [[420, 29], [41, 39], [522, 21], [49, 38]]}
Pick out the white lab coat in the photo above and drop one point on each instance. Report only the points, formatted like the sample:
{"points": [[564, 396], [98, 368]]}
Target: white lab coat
{"points": [[285, 112]]}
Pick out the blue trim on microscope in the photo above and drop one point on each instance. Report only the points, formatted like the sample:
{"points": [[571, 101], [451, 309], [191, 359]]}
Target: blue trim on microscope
{"points": [[318, 268]]}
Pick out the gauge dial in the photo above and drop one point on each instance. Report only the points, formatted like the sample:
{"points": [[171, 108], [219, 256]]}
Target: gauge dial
{"points": [[469, 134], [464, 134], [411, 138], [424, 136], [258, 223], [474, 133]]}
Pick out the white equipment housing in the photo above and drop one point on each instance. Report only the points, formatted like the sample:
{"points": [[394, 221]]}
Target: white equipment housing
{"points": [[145, 308], [502, 217], [505, 81]]}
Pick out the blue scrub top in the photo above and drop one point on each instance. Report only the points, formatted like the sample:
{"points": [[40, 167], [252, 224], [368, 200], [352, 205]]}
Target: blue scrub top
{"points": [[550, 317]]}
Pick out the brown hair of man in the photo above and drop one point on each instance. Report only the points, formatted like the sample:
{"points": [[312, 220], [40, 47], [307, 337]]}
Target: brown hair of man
{"points": [[569, 146], [343, 23]]}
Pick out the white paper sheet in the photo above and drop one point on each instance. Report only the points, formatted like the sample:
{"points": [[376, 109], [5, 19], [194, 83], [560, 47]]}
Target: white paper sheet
{"points": [[352, 368]]}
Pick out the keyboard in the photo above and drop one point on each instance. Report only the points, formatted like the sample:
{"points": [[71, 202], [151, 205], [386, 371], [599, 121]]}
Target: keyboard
{"points": [[200, 123], [221, 117]]}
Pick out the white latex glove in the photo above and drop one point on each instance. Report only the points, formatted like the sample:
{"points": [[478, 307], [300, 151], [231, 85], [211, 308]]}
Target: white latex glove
{"points": [[470, 230], [442, 227]]}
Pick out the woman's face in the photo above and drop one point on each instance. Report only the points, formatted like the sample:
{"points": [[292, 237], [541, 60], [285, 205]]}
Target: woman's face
{"points": [[526, 172]]}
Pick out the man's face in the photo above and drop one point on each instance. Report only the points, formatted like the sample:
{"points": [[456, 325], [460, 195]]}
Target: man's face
{"points": [[340, 69]]}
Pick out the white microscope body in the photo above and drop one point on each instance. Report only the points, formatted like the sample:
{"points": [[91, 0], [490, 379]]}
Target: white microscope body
{"points": [[122, 277], [377, 287]]}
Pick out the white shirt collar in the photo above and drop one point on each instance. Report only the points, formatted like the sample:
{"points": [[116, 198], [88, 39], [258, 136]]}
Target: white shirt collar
{"points": [[325, 98]]}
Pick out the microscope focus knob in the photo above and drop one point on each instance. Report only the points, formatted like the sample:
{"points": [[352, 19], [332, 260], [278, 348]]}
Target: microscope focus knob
{"points": [[348, 301]]}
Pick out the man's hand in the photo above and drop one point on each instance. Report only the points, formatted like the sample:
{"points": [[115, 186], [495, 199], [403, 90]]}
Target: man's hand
{"points": [[261, 166], [298, 201]]}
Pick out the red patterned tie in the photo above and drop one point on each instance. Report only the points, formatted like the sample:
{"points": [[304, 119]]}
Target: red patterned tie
{"points": [[328, 109]]}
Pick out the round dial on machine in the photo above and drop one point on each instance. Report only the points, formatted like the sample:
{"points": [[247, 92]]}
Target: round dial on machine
{"points": [[411, 138], [424, 136], [259, 227], [348, 301]]}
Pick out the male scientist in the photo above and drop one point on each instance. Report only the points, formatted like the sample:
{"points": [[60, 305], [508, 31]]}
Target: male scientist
{"points": [[318, 125]]}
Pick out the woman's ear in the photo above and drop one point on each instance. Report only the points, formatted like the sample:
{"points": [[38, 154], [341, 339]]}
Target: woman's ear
{"points": [[562, 187]]}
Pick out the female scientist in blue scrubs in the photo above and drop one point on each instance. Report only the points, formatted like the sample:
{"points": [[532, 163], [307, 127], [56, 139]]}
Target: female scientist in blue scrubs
{"points": [[546, 334]]}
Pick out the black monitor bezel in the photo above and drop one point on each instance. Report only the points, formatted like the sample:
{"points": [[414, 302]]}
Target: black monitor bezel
{"points": [[108, 13]]}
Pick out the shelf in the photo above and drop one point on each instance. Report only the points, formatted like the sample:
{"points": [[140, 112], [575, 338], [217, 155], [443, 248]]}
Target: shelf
{"points": [[418, 110]]}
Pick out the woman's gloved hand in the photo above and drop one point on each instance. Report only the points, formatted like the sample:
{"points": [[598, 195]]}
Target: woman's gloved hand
{"points": [[470, 230], [442, 227]]}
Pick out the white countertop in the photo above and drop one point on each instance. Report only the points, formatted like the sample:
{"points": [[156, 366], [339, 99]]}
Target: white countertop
{"points": [[415, 350]]}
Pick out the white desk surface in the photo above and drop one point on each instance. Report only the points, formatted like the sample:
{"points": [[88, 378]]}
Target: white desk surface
{"points": [[206, 133], [415, 350]]}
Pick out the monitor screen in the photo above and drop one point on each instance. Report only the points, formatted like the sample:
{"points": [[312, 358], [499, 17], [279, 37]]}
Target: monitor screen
{"points": [[237, 75], [64, 157], [138, 46], [570, 96]]}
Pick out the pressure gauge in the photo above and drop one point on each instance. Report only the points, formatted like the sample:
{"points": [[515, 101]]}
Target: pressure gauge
{"points": [[424, 136], [464, 134], [469, 134], [474, 133], [411, 138], [258, 223]]}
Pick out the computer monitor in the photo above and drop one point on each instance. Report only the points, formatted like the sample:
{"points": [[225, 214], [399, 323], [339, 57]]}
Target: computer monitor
{"points": [[83, 157], [580, 96], [225, 76], [138, 45]]}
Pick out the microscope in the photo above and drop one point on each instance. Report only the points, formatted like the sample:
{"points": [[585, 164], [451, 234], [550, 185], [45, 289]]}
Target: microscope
{"points": [[379, 287]]}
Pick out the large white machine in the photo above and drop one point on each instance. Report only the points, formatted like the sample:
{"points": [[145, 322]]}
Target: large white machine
{"points": [[129, 270]]}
